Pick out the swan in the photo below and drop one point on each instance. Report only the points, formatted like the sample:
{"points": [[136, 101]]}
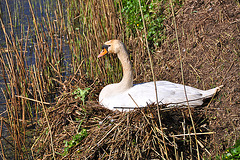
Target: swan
{"points": [[117, 95]]}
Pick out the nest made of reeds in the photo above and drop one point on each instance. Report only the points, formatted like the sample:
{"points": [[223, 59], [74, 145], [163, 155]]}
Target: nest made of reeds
{"points": [[138, 134]]}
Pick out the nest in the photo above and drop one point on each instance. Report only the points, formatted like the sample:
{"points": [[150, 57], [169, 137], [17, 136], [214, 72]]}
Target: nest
{"points": [[139, 134]]}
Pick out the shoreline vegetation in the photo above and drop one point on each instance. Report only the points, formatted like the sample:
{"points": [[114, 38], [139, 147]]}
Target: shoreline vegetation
{"points": [[51, 101]]}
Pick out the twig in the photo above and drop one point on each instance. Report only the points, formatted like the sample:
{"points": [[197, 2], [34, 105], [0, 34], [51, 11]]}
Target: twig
{"points": [[175, 149], [30, 99], [223, 79], [192, 134], [204, 147], [194, 70], [190, 141], [3, 155]]}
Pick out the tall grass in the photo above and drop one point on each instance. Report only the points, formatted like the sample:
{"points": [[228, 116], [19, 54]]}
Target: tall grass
{"points": [[29, 86], [90, 23]]}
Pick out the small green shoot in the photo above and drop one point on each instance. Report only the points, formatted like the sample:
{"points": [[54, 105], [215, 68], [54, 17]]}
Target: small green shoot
{"points": [[81, 93], [75, 141]]}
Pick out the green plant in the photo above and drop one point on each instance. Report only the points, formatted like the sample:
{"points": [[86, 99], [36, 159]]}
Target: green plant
{"points": [[81, 93], [232, 153], [75, 140], [153, 15]]}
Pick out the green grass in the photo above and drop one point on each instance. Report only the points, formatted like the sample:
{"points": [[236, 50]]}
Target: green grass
{"points": [[75, 141], [153, 15], [231, 153]]}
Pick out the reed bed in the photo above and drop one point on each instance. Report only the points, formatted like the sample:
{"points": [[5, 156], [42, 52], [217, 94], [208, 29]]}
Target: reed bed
{"points": [[29, 86], [42, 95]]}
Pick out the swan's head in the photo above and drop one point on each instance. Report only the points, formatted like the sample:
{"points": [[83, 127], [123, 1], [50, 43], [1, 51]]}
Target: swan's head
{"points": [[112, 46]]}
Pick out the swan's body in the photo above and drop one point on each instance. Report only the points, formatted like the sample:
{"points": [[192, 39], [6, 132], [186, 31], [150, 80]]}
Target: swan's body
{"points": [[118, 94]]}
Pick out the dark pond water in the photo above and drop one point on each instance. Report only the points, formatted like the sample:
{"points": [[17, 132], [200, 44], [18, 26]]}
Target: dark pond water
{"points": [[21, 19]]}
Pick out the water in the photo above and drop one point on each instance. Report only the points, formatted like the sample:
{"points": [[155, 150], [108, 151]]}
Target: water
{"points": [[21, 19]]}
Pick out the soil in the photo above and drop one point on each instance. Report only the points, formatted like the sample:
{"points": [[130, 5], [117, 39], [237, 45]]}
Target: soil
{"points": [[209, 39]]}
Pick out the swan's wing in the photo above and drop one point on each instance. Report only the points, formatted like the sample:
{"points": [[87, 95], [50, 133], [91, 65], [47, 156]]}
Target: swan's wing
{"points": [[167, 93], [171, 93]]}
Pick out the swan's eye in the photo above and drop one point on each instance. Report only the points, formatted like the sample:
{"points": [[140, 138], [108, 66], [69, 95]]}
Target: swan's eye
{"points": [[105, 46]]}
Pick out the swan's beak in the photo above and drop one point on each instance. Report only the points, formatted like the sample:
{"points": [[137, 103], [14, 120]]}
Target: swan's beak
{"points": [[104, 51]]}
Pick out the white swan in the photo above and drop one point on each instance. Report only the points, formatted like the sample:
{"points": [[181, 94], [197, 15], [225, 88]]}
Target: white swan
{"points": [[115, 96]]}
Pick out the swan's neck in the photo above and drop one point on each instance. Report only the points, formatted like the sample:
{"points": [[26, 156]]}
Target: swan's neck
{"points": [[127, 80]]}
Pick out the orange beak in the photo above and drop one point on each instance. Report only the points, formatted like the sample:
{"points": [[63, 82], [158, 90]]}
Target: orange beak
{"points": [[104, 51]]}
